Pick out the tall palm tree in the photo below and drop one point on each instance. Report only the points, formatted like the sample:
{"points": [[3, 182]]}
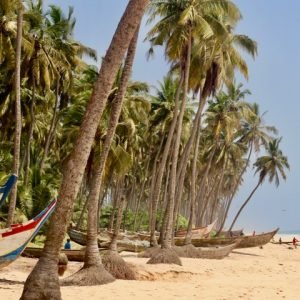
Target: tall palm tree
{"points": [[18, 115], [272, 165], [92, 264], [254, 134], [43, 280]]}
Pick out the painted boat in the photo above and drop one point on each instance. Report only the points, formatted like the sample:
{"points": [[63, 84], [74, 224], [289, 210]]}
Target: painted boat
{"points": [[246, 241], [123, 245], [14, 240], [6, 187], [198, 231]]}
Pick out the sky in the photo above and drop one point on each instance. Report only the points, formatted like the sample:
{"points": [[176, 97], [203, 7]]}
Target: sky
{"points": [[273, 81]]}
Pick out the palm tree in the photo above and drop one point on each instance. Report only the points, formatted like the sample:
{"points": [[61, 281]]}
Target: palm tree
{"points": [[272, 165], [253, 135], [92, 264], [43, 280], [18, 115]]}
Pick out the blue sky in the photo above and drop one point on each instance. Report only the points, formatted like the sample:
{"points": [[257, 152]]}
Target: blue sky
{"points": [[274, 80]]}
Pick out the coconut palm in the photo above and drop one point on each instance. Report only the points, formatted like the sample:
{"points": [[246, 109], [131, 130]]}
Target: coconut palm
{"points": [[18, 116], [43, 280], [271, 165], [254, 134]]}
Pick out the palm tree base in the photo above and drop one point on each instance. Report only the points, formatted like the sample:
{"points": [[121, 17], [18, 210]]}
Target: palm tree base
{"points": [[165, 256], [117, 266], [88, 276], [43, 282], [148, 253]]}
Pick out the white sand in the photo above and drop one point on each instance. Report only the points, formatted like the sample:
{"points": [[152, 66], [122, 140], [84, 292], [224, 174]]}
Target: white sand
{"points": [[269, 273]]}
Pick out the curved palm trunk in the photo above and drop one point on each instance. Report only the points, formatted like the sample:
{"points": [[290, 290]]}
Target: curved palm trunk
{"points": [[166, 242], [186, 154], [113, 244], [43, 283], [201, 191], [235, 190], [30, 138], [188, 238], [244, 204], [97, 182], [161, 168], [51, 129], [18, 115]]}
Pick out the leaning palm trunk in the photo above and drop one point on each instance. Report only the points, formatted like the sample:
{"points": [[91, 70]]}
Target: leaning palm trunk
{"points": [[186, 153], [92, 256], [235, 190], [43, 283], [54, 123], [112, 261], [18, 115], [245, 203], [30, 137], [188, 238], [161, 167], [167, 255]]}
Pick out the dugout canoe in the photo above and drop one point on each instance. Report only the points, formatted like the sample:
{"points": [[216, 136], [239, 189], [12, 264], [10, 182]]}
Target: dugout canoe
{"points": [[246, 241]]}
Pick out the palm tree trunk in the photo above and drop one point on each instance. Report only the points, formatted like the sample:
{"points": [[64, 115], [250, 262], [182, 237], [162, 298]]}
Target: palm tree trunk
{"points": [[188, 238], [51, 129], [244, 204], [235, 190], [18, 115], [186, 153], [162, 164], [43, 282], [113, 244], [137, 207], [30, 137], [166, 242], [113, 122]]}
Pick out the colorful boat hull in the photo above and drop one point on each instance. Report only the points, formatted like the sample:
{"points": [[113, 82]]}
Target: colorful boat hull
{"points": [[14, 240]]}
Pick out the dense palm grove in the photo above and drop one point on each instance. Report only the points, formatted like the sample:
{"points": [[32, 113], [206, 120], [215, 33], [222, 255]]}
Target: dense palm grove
{"points": [[177, 154]]}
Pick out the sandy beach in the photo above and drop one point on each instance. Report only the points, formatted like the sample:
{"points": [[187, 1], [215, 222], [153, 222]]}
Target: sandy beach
{"points": [[253, 273]]}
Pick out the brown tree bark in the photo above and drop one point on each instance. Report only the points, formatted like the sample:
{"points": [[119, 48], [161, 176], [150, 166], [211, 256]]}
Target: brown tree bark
{"points": [[162, 164], [18, 115], [166, 242], [91, 255], [43, 282]]}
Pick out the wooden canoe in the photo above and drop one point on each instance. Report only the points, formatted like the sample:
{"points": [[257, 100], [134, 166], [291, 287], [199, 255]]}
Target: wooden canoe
{"points": [[246, 241], [80, 238], [198, 231], [73, 255], [218, 252]]}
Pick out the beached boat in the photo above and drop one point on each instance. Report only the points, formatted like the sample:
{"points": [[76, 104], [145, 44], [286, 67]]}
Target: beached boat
{"points": [[124, 244], [217, 252], [73, 255], [198, 231], [6, 187], [14, 240], [246, 241]]}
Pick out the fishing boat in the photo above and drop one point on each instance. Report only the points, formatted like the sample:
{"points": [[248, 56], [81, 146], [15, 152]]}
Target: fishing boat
{"points": [[246, 241], [13, 240], [104, 241], [6, 187], [217, 252], [198, 231], [73, 255]]}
